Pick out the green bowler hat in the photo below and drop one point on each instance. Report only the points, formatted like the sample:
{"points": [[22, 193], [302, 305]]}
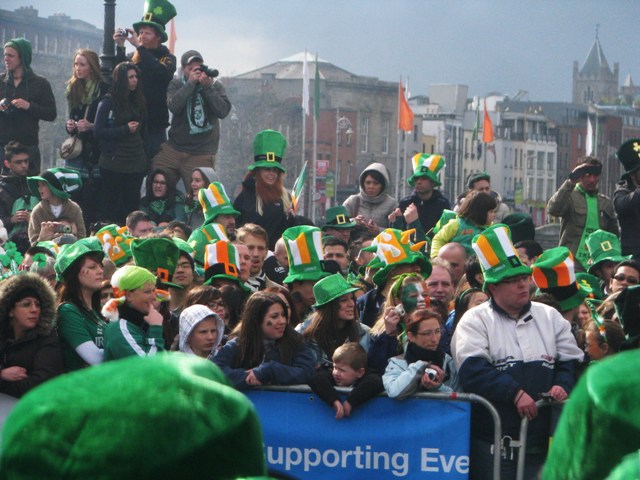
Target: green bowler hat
{"points": [[498, 257], [214, 202], [394, 247], [61, 181], [304, 251], [72, 252], [268, 150], [426, 166], [338, 217], [331, 288], [157, 14], [521, 226], [158, 255], [603, 246], [95, 423], [554, 273]]}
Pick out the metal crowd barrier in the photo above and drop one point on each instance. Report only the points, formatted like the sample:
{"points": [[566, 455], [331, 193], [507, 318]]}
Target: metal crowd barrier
{"points": [[524, 425], [454, 396]]}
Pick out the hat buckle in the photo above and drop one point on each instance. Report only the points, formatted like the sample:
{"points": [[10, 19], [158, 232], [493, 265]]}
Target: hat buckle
{"points": [[341, 219], [147, 17], [424, 169], [271, 157], [636, 146], [606, 246]]}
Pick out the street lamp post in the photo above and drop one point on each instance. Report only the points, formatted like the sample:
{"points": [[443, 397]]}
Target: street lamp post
{"points": [[108, 54], [342, 123]]}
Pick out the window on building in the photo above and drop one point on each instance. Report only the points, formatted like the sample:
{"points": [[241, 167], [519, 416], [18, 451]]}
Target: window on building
{"points": [[540, 190], [540, 162], [385, 135], [579, 140], [364, 135], [415, 133], [551, 161], [466, 147], [530, 156]]}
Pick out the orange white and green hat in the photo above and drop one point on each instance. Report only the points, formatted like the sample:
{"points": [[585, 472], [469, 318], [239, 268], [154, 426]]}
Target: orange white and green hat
{"points": [[426, 166], [554, 273], [203, 236], [214, 202], [394, 247], [116, 243], [221, 260], [304, 250], [498, 257]]}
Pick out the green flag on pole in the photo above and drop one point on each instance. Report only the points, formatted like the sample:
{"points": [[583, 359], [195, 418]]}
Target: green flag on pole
{"points": [[476, 126], [298, 185], [316, 93]]}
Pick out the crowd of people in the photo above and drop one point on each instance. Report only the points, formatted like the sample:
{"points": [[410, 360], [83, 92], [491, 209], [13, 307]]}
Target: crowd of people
{"points": [[386, 296]]}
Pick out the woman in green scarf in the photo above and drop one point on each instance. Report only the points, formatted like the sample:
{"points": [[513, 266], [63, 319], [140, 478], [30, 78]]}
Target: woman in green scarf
{"points": [[84, 90], [161, 201]]}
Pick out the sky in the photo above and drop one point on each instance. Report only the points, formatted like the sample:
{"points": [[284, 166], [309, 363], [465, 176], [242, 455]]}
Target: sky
{"points": [[489, 45]]}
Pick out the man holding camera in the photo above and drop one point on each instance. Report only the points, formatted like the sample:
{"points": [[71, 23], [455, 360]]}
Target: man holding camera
{"points": [[197, 101], [156, 63], [582, 209]]}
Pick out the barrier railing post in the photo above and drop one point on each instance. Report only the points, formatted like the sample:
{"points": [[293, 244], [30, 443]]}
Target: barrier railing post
{"points": [[524, 425]]}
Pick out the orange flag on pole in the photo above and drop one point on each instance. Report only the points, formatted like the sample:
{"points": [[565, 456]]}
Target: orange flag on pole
{"points": [[405, 114], [487, 130], [172, 37]]}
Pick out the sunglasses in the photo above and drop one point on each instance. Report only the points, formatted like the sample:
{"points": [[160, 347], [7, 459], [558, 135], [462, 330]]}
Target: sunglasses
{"points": [[630, 280]]}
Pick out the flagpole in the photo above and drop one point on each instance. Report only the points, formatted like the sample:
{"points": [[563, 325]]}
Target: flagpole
{"points": [[398, 150], [404, 159], [316, 118]]}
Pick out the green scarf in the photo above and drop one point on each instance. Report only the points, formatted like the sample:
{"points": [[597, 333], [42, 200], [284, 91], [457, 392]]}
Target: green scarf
{"points": [[591, 225]]}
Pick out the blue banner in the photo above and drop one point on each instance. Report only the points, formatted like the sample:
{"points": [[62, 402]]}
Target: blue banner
{"points": [[384, 438]]}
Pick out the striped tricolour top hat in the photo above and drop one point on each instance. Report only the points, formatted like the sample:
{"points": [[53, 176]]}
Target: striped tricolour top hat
{"points": [[426, 166], [304, 250], [203, 236], [221, 260], [214, 201], [498, 257], [554, 273]]}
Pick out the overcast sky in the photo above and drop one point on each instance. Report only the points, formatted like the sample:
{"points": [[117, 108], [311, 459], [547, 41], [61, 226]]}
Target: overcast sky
{"points": [[489, 45]]}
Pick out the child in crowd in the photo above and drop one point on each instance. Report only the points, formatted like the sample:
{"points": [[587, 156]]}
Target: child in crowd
{"points": [[56, 214], [349, 370]]}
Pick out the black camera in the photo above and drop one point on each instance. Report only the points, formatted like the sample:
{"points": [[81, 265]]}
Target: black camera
{"points": [[7, 107], [63, 228], [431, 373], [123, 32], [208, 71]]}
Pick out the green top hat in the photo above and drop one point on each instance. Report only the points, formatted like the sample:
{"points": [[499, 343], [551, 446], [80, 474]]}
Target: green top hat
{"points": [[222, 260], [591, 282], [330, 288], [214, 201], [521, 226], [157, 14], [203, 236], [554, 273], [498, 257], [72, 252], [158, 255], [426, 166], [116, 243], [393, 247], [304, 250], [338, 217], [268, 150], [184, 247], [629, 156], [603, 246], [60, 181], [215, 430], [474, 177]]}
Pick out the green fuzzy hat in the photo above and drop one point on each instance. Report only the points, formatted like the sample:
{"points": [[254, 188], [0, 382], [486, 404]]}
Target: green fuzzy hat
{"points": [[330, 288], [304, 251], [338, 217], [554, 273], [158, 255], [157, 14], [629, 156], [426, 166], [24, 49], [592, 283], [131, 277], [60, 181], [446, 217], [116, 243], [393, 247], [167, 416], [203, 236], [221, 260], [268, 150], [72, 252], [214, 201], [498, 257], [603, 247]]}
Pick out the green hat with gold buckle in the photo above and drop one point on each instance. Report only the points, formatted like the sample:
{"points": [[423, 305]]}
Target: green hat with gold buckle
{"points": [[157, 14], [338, 217], [268, 150], [603, 246]]}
